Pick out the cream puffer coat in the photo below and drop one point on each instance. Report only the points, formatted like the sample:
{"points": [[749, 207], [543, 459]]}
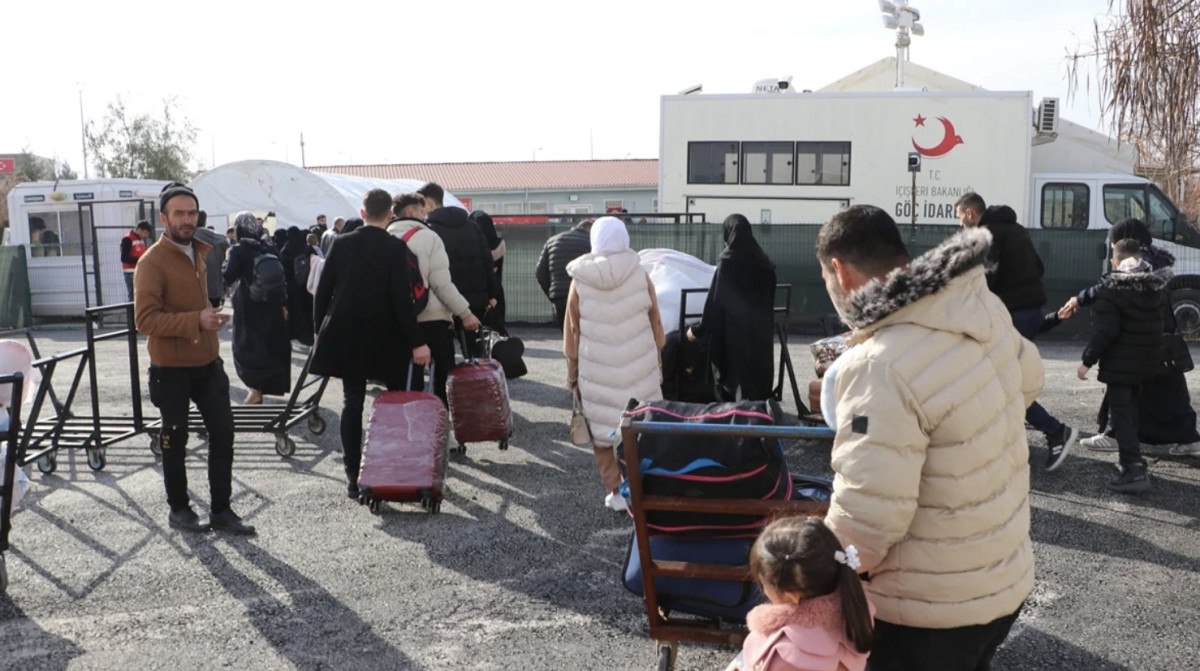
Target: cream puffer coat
{"points": [[931, 461], [445, 301], [612, 338]]}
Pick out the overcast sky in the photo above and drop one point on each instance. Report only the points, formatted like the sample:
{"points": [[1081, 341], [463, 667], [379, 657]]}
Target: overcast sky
{"points": [[383, 82]]}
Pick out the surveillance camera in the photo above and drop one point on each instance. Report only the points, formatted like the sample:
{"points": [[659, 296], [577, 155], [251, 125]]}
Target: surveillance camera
{"points": [[784, 84]]}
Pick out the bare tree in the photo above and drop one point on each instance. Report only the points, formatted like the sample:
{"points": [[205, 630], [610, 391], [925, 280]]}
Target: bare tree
{"points": [[140, 146], [1147, 54]]}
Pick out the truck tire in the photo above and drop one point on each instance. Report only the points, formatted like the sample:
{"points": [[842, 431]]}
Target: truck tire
{"points": [[1185, 303]]}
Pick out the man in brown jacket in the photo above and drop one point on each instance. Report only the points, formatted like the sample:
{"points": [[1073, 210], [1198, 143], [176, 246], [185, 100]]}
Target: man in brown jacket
{"points": [[171, 307], [931, 464]]}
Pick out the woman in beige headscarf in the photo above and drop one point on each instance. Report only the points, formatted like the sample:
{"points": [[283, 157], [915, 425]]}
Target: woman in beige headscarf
{"points": [[612, 340]]}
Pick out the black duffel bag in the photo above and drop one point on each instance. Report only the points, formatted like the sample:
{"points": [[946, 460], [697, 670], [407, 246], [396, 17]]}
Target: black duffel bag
{"points": [[710, 467], [507, 350]]}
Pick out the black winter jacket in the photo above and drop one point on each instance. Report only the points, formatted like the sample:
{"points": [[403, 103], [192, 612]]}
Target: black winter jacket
{"points": [[558, 252], [1127, 338], [1015, 269], [471, 268]]}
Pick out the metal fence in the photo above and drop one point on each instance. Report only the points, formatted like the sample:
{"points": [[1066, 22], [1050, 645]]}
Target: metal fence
{"points": [[1073, 259], [16, 310]]}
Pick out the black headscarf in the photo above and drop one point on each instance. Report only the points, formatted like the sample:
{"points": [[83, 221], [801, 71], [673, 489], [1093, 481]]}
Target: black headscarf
{"points": [[484, 220], [295, 245], [247, 227], [740, 245], [351, 224], [1131, 228]]}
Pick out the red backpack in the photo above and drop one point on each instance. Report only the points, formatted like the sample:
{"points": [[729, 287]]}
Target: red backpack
{"points": [[420, 292]]}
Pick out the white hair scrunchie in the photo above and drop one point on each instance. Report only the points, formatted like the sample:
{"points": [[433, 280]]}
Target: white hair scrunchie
{"points": [[849, 557]]}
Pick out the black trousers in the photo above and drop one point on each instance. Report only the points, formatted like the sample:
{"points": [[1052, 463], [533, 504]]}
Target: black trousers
{"points": [[1123, 418], [439, 336], [900, 648], [172, 390], [354, 394], [560, 311]]}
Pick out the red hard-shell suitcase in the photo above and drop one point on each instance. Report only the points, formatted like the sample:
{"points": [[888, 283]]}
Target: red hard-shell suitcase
{"points": [[478, 396], [404, 450]]}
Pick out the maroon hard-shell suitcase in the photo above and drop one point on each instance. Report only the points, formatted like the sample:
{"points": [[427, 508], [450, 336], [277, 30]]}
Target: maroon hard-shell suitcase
{"points": [[404, 450], [478, 396]]}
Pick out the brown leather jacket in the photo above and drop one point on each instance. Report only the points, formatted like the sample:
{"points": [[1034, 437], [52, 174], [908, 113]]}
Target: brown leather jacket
{"points": [[169, 293]]}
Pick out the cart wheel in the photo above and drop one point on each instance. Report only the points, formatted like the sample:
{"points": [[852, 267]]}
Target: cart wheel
{"points": [[47, 464], [96, 458], [284, 445], [666, 656], [316, 424], [156, 444], [3, 576]]}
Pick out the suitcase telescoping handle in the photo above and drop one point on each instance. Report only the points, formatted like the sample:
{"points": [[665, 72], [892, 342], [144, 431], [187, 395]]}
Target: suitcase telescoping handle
{"points": [[461, 334], [428, 377]]}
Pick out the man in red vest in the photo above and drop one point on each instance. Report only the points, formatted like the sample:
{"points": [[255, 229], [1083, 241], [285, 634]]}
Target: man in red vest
{"points": [[133, 245]]}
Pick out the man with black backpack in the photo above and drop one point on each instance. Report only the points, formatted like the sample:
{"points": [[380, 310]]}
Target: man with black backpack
{"points": [[443, 300]]}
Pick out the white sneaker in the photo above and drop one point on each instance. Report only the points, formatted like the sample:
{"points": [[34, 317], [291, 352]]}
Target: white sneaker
{"points": [[1100, 443], [1185, 450], [615, 502]]}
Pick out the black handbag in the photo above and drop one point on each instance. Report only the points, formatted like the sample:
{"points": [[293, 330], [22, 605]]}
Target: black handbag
{"points": [[1176, 356]]}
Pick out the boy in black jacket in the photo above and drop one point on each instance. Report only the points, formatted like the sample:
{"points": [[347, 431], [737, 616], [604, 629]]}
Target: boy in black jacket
{"points": [[1128, 345]]}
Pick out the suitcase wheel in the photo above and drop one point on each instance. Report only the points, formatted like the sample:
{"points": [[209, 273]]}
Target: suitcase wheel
{"points": [[373, 505], [430, 504], [504, 444], [461, 449]]}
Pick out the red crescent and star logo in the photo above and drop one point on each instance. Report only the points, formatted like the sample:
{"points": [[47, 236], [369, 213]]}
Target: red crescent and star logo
{"points": [[950, 139]]}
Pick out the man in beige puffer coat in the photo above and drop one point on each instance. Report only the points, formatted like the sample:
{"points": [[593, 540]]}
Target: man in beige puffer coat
{"points": [[931, 462]]}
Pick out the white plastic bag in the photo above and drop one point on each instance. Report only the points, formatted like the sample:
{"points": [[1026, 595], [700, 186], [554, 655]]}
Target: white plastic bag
{"points": [[671, 271], [20, 480]]}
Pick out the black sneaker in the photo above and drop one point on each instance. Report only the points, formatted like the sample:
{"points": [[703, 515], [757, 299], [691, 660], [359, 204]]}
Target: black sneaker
{"points": [[1058, 445], [352, 490], [186, 519], [1131, 479], [227, 520]]}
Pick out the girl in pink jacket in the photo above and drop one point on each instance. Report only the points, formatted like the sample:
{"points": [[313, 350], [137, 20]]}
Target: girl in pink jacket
{"points": [[818, 618]]}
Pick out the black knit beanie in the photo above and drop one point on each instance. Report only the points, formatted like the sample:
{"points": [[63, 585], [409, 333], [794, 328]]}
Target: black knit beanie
{"points": [[175, 189]]}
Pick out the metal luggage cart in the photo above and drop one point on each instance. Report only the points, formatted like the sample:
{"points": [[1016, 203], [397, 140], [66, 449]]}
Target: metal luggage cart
{"points": [[43, 436], [8, 467], [301, 405], [668, 631]]}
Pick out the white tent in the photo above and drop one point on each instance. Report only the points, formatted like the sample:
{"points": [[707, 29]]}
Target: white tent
{"points": [[294, 194]]}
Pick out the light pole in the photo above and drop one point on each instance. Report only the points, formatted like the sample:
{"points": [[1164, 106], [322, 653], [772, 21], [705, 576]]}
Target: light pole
{"points": [[902, 18]]}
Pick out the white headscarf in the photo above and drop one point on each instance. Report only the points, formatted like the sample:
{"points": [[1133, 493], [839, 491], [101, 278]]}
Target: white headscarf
{"points": [[609, 236]]}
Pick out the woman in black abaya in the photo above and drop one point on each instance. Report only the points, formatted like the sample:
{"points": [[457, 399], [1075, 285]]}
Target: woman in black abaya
{"points": [[299, 301], [261, 353], [739, 316]]}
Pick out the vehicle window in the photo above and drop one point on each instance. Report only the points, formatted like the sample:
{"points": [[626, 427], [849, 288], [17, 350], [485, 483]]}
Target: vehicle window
{"points": [[712, 163], [767, 162], [1162, 215], [1065, 206], [824, 163], [1122, 201]]}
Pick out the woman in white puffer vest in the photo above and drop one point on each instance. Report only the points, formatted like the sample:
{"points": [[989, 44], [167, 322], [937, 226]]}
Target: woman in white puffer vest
{"points": [[612, 339]]}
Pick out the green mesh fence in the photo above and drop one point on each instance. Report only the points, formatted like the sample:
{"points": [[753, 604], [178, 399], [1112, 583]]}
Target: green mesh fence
{"points": [[15, 308], [1073, 261]]}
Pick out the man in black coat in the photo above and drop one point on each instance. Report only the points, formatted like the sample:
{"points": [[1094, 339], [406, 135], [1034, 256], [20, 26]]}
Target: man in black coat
{"points": [[366, 325], [1015, 275], [1127, 343], [471, 268], [552, 266]]}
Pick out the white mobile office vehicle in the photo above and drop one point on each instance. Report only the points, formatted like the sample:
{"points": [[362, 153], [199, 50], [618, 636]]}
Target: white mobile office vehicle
{"points": [[784, 157], [72, 231]]}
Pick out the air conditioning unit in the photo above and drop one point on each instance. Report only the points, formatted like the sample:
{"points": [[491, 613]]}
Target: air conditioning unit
{"points": [[1047, 117]]}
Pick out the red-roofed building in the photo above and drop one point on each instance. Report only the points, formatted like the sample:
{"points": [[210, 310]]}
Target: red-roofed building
{"points": [[532, 187]]}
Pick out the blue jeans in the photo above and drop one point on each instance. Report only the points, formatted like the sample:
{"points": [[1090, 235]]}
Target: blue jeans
{"points": [[1029, 323]]}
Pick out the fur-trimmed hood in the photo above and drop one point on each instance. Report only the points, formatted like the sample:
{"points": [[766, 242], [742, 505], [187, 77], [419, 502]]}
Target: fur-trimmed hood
{"points": [[822, 611], [1143, 278], [925, 275], [1158, 257]]}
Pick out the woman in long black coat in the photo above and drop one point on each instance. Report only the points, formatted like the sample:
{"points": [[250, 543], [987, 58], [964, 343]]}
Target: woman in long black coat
{"points": [[299, 301], [262, 355], [739, 316]]}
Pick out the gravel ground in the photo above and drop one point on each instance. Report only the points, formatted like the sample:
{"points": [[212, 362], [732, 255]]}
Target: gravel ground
{"points": [[521, 568]]}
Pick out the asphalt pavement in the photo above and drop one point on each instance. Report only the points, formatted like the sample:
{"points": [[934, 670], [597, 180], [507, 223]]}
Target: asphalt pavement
{"points": [[521, 568]]}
